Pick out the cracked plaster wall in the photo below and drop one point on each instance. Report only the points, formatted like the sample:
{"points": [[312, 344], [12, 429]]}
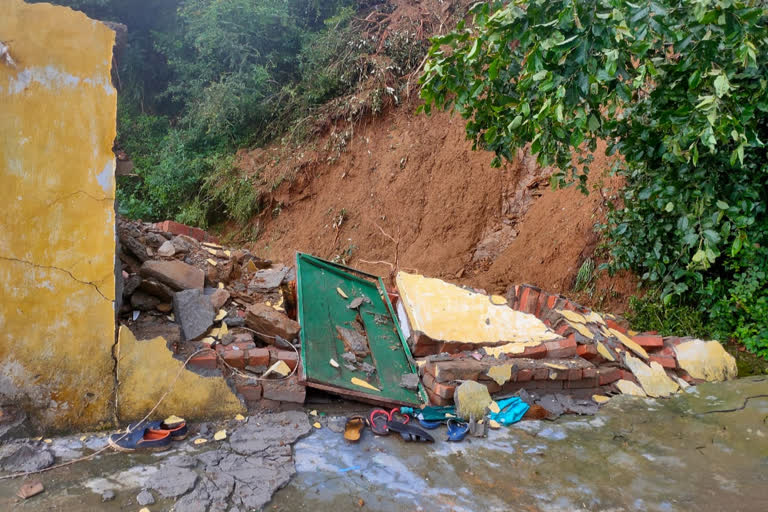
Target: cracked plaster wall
{"points": [[57, 240]]}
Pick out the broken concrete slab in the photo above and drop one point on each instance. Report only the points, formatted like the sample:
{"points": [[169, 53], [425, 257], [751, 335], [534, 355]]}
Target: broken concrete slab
{"points": [[173, 481], [451, 318], [706, 360], [194, 312], [176, 274], [271, 323]]}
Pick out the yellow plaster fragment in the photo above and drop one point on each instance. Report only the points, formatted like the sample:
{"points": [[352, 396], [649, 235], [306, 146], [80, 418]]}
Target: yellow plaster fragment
{"points": [[239, 417], [706, 360], [631, 345], [498, 300], [627, 387], [317, 425], [144, 509], [211, 244], [510, 348], [223, 329], [228, 253], [494, 407], [313, 413], [500, 373], [556, 366], [211, 262], [251, 266], [572, 316], [200, 441], [212, 252], [363, 384], [495, 425], [220, 435], [83, 438], [341, 292], [594, 318], [171, 317], [173, 420], [279, 368], [47, 441], [632, 333], [144, 370], [652, 378], [221, 286], [444, 311], [333, 363], [604, 352], [221, 315], [208, 340], [581, 329], [600, 399]]}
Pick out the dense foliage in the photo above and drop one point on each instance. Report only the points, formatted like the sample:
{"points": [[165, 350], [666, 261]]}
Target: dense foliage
{"points": [[200, 78], [677, 88]]}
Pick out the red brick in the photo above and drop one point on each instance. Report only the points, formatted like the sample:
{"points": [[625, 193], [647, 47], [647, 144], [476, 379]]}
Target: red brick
{"points": [[541, 304], [205, 359], [628, 375], [561, 348], [242, 345], [610, 322], [563, 328], [537, 352], [444, 390], [555, 374], [524, 375], [541, 373], [586, 351], [182, 229], [648, 340], [575, 374], [608, 374], [666, 352], [435, 399], [258, 357], [589, 373], [551, 300], [234, 357], [582, 383], [666, 362], [250, 392], [529, 299], [289, 357]]}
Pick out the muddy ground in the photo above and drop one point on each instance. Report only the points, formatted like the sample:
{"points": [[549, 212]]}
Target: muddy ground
{"points": [[678, 454]]}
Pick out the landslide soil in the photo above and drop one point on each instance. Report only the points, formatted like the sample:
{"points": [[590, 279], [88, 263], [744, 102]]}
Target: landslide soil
{"points": [[405, 191]]}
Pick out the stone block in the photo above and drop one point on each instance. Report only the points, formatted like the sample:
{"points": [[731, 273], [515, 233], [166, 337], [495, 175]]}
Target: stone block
{"points": [[270, 323], [176, 274], [193, 312], [284, 390]]}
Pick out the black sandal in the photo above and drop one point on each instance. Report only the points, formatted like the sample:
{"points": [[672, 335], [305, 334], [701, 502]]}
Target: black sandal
{"points": [[410, 432]]}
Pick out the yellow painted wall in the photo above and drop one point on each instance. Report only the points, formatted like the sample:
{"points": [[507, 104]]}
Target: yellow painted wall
{"points": [[57, 243], [147, 370]]}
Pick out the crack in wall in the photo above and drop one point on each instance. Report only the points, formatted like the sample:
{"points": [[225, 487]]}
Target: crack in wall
{"points": [[98, 199], [48, 267]]}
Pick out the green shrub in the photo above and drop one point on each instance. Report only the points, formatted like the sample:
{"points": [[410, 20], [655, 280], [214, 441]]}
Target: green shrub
{"points": [[678, 88]]}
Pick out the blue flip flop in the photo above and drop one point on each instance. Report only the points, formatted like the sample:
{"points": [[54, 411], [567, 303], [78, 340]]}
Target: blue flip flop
{"points": [[140, 437], [430, 425], [457, 430]]}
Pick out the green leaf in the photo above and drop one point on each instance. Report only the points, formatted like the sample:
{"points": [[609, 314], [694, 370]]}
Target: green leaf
{"points": [[669, 207], [722, 205], [699, 256], [722, 86], [593, 123], [473, 52]]}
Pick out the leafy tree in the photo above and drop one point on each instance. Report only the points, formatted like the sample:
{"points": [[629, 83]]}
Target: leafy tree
{"points": [[678, 89]]}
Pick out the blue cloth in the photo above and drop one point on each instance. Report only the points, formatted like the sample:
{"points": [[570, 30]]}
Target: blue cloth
{"points": [[512, 410]]}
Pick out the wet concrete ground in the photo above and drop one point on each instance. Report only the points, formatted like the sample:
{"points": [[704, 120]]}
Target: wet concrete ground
{"points": [[636, 454]]}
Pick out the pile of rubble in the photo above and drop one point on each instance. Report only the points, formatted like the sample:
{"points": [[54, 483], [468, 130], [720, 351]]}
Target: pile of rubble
{"points": [[233, 310], [236, 315], [552, 346]]}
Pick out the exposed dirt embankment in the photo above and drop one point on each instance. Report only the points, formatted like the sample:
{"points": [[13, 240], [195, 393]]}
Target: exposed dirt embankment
{"points": [[448, 213]]}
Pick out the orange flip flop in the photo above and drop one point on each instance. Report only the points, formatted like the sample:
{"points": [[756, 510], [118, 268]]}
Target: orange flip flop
{"points": [[354, 428]]}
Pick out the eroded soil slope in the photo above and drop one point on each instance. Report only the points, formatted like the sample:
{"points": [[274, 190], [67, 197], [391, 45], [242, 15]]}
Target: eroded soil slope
{"points": [[449, 214]]}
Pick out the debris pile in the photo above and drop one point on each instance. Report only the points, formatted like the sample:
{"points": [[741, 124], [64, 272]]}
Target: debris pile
{"points": [[543, 343], [235, 310]]}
